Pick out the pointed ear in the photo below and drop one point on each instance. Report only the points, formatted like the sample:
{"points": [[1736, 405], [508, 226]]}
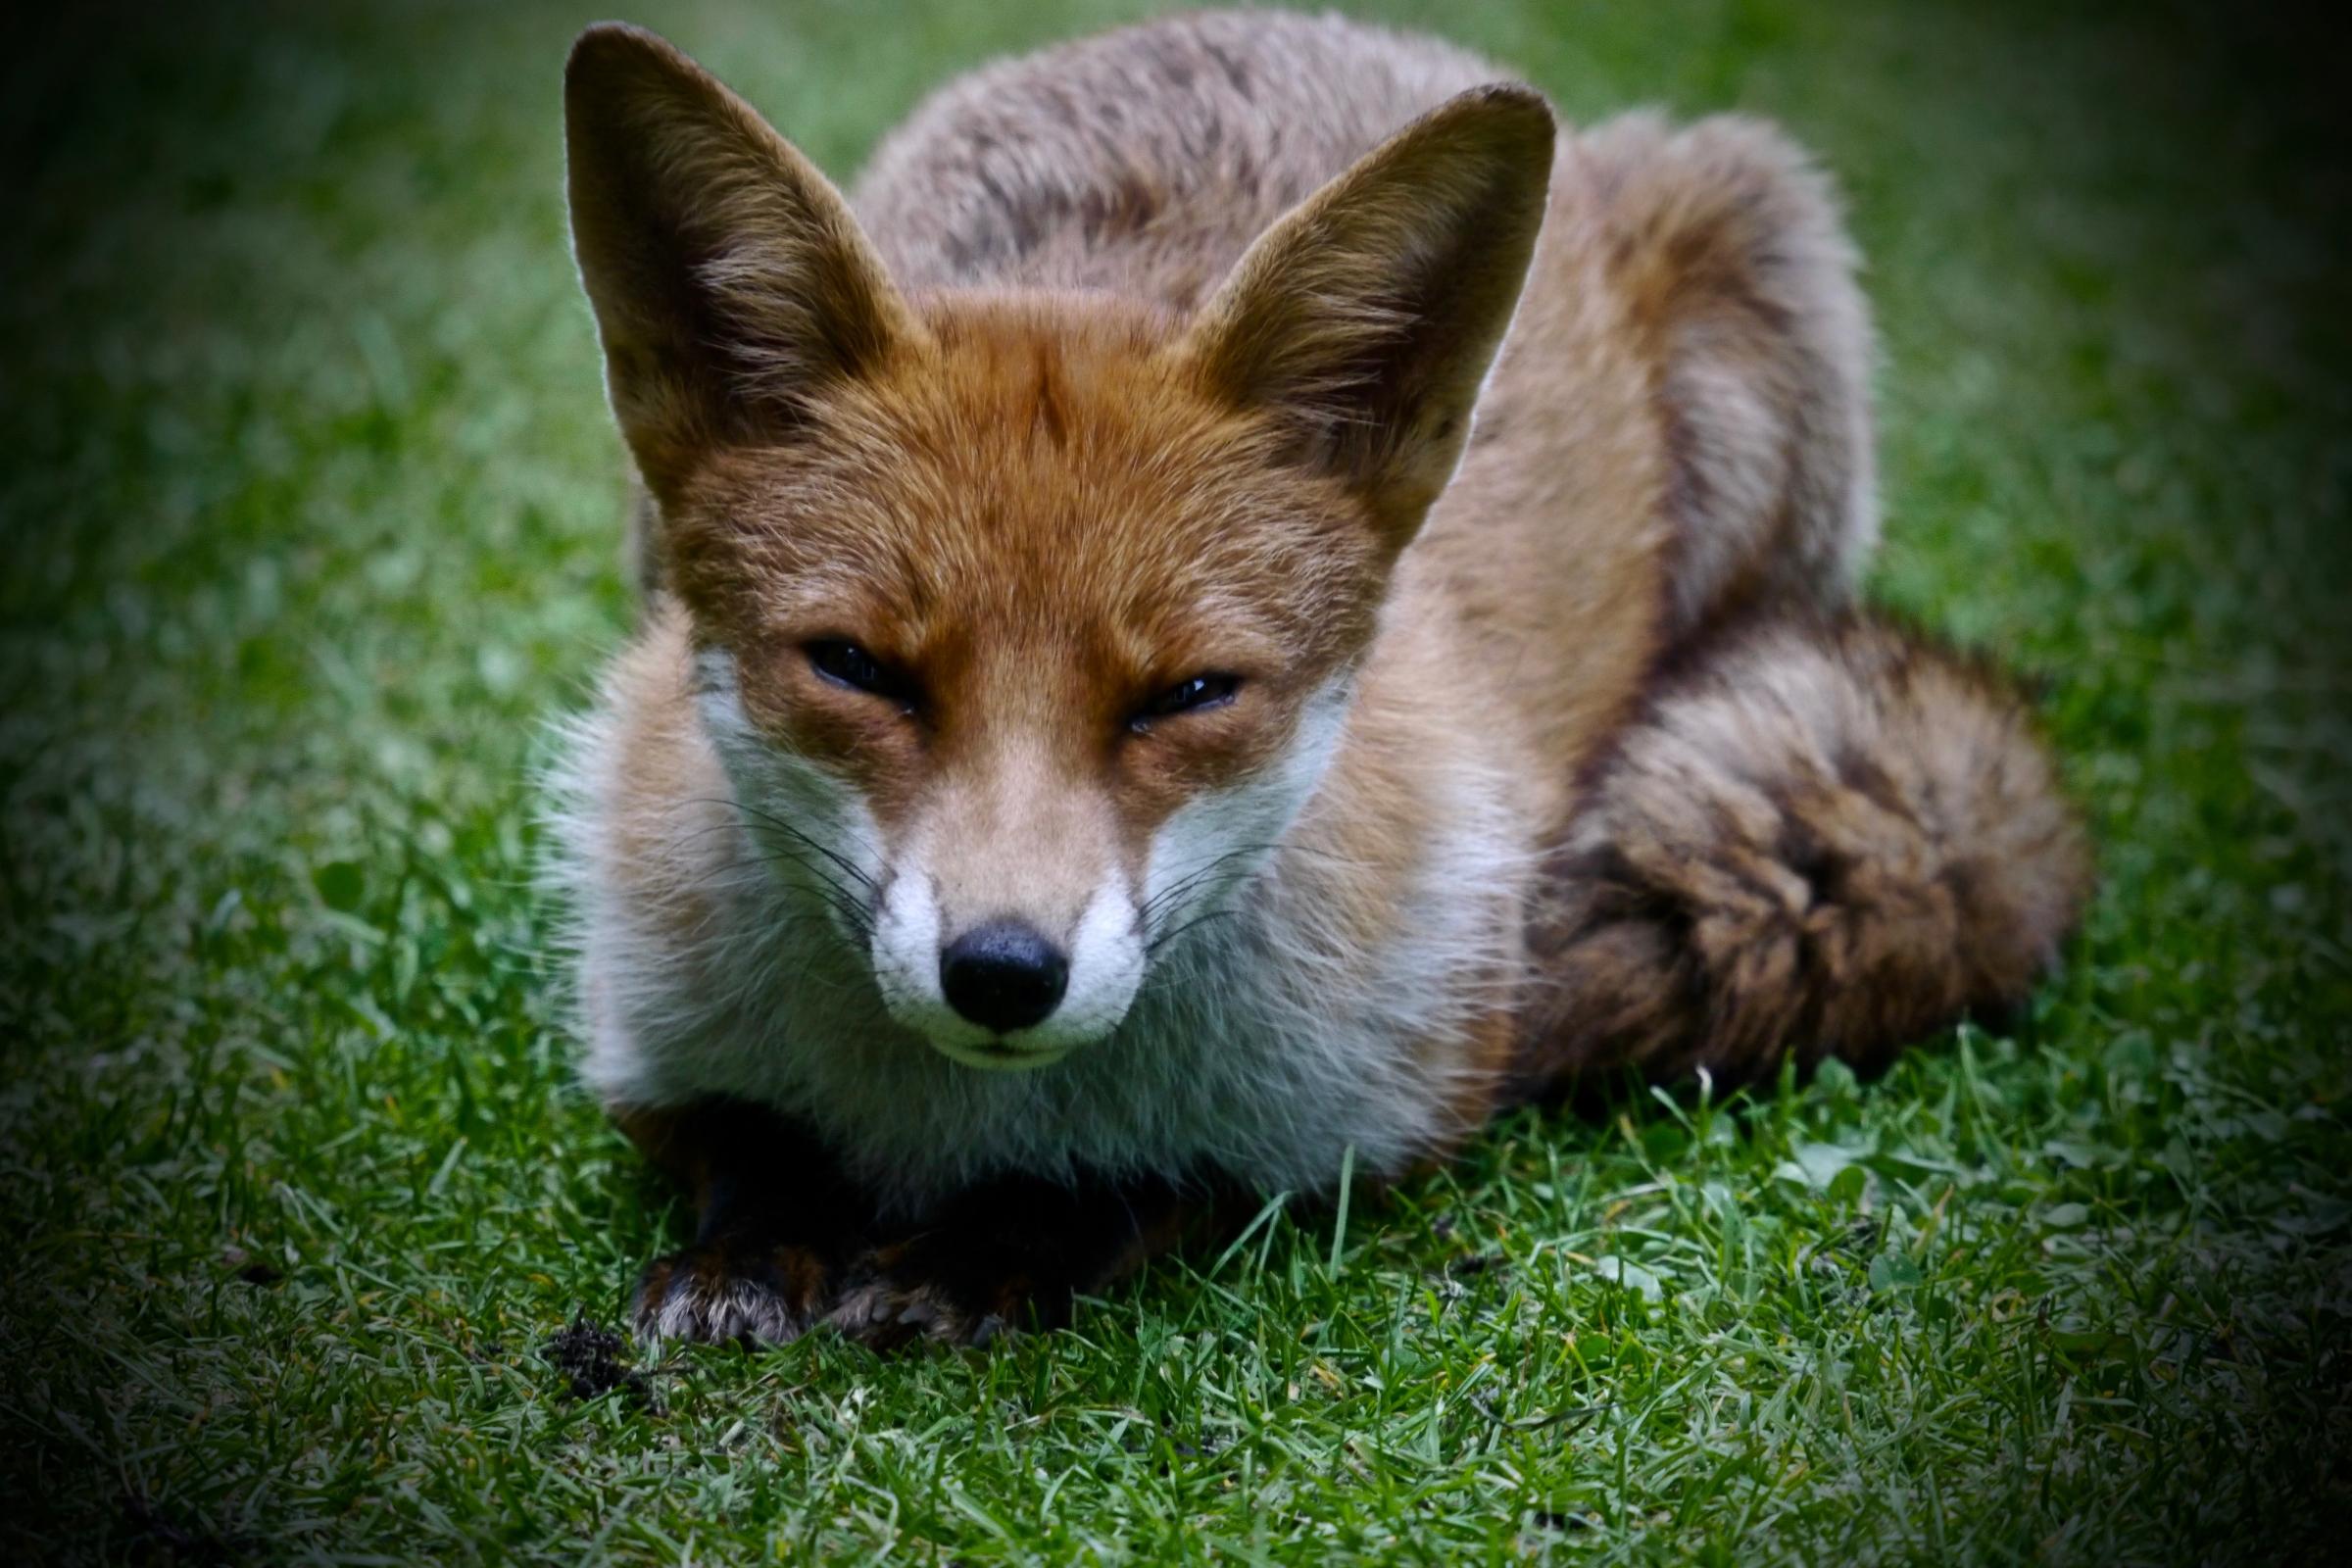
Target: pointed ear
{"points": [[729, 282], [1363, 322]]}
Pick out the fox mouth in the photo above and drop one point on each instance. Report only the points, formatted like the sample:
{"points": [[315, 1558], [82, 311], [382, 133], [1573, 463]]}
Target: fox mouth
{"points": [[999, 1055]]}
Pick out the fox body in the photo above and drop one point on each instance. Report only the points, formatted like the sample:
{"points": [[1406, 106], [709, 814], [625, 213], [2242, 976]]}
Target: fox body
{"points": [[1242, 602]]}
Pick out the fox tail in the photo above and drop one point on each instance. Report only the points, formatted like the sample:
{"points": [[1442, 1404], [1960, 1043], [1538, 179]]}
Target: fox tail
{"points": [[1826, 837]]}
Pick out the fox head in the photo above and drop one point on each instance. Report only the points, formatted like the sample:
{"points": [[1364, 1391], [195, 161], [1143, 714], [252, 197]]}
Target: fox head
{"points": [[1025, 624]]}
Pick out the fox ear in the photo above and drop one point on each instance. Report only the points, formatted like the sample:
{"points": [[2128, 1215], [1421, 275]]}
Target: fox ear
{"points": [[729, 280], [1363, 322]]}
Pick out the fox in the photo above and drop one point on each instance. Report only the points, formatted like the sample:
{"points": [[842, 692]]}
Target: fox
{"points": [[1244, 602]]}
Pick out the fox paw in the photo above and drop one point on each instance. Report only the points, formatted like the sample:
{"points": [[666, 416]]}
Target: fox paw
{"points": [[717, 1291], [897, 1295], [886, 1317]]}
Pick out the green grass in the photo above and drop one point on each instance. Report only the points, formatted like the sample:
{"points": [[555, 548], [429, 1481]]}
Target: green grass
{"points": [[314, 513]]}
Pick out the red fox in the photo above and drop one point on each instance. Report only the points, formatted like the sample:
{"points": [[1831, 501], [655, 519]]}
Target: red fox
{"points": [[1243, 603]]}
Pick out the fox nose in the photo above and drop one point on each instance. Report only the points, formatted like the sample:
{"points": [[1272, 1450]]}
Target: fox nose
{"points": [[1004, 976]]}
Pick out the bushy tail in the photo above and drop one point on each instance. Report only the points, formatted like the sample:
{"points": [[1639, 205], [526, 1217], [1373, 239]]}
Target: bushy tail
{"points": [[1825, 838]]}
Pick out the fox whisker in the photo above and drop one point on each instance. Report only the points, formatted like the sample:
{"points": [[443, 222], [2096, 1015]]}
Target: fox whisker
{"points": [[777, 824]]}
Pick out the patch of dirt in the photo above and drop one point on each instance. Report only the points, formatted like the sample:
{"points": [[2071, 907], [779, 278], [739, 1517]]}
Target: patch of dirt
{"points": [[589, 1357], [252, 1270]]}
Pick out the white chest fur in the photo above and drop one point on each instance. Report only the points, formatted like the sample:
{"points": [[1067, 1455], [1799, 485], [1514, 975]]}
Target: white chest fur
{"points": [[1265, 1041]]}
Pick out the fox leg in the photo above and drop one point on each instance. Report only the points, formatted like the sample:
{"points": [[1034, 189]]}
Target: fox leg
{"points": [[777, 1219], [1825, 838], [1009, 1254], [1725, 244]]}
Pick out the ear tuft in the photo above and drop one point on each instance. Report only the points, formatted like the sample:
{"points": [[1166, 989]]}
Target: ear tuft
{"points": [[728, 278], [1363, 322]]}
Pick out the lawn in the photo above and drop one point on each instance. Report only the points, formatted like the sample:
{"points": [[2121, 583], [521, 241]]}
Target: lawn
{"points": [[312, 515]]}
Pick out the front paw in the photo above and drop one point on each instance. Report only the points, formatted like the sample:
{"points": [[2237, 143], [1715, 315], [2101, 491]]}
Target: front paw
{"points": [[720, 1291], [896, 1295]]}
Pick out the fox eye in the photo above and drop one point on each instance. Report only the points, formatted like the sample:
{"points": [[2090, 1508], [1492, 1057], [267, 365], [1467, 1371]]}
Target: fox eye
{"points": [[1187, 696], [838, 660]]}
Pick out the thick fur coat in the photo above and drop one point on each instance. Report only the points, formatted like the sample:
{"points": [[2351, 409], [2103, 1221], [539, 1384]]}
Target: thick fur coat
{"points": [[1358, 579]]}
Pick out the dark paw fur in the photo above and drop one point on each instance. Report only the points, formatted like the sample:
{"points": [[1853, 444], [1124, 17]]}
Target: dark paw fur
{"points": [[896, 1295], [720, 1291]]}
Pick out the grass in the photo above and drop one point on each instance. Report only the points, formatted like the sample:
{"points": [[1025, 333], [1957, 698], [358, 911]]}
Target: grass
{"points": [[313, 516]]}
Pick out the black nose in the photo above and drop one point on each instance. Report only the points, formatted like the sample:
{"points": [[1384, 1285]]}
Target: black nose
{"points": [[1004, 976]]}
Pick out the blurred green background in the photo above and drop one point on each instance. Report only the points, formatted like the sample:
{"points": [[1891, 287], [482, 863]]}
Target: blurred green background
{"points": [[312, 517]]}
